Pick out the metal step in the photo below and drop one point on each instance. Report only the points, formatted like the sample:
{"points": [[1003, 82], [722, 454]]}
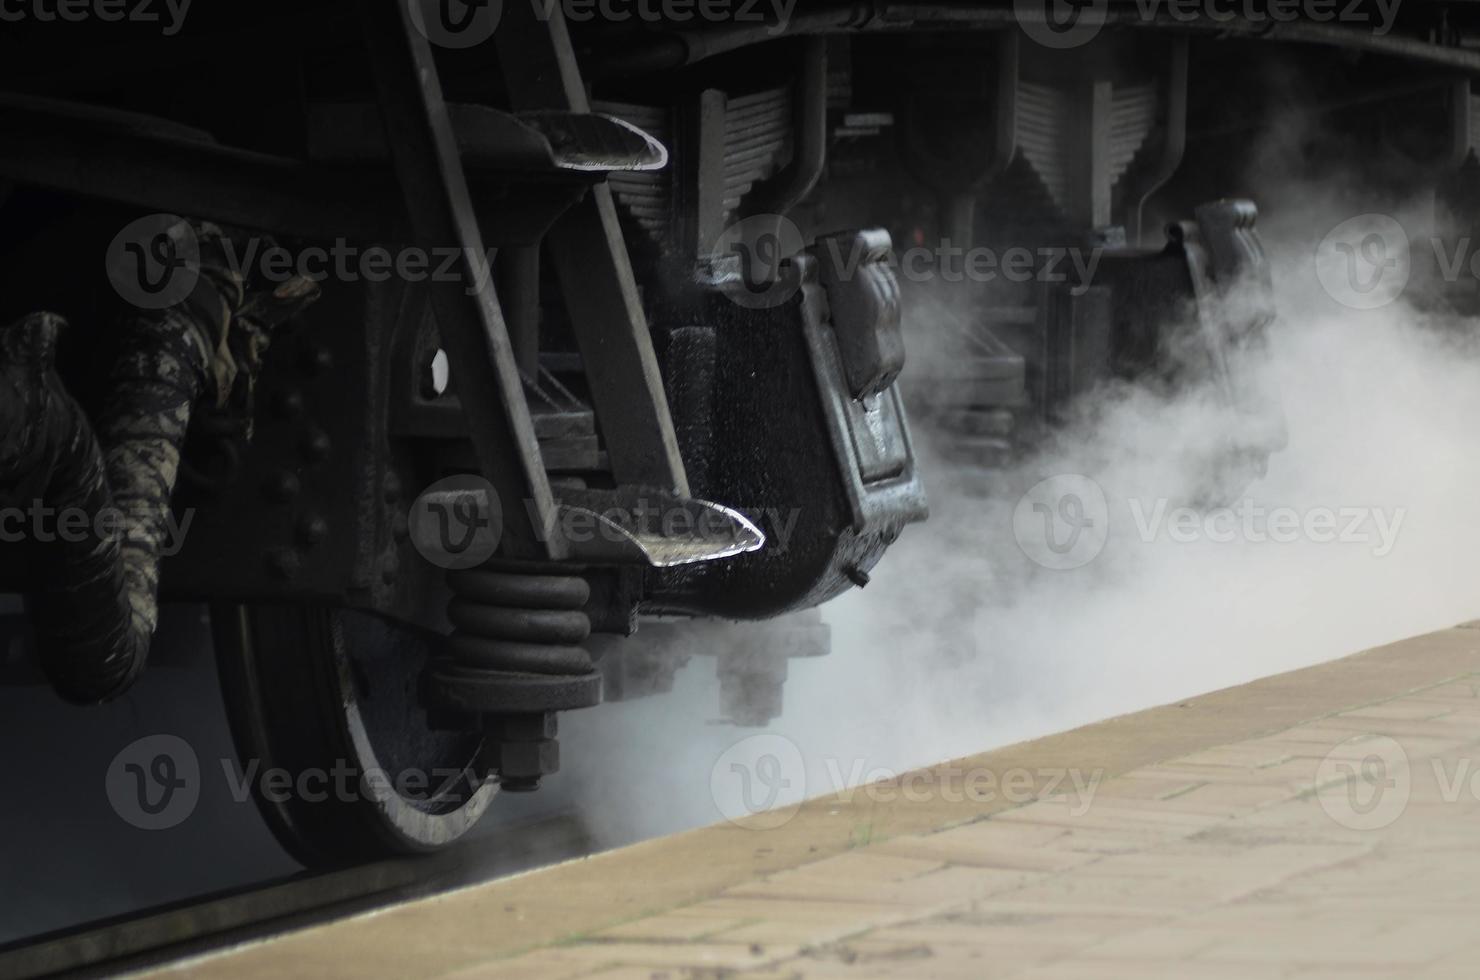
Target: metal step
{"points": [[490, 139]]}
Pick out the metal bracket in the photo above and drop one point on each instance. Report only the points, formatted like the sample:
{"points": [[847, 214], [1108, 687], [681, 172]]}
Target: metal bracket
{"points": [[159, 165], [424, 148], [591, 258], [1235, 303], [660, 530], [533, 143]]}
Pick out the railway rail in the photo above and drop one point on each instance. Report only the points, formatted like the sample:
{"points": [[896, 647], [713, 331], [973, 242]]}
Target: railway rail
{"points": [[222, 920]]}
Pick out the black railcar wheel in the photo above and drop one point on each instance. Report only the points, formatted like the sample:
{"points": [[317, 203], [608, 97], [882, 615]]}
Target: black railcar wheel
{"points": [[329, 697]]}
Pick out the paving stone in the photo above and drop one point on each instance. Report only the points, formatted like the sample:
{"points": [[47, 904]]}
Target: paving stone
{"points": [[1148, 969], [1215, 856], [675, 925]]}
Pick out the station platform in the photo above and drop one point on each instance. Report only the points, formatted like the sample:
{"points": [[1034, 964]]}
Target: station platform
{"points": [[1324, 822]]}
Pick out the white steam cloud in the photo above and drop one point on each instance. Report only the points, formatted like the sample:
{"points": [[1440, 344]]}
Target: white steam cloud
{"points": [[962, 643]]}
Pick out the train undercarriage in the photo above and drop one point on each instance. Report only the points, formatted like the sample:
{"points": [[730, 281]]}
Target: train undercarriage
{"points": [[475, 363]]}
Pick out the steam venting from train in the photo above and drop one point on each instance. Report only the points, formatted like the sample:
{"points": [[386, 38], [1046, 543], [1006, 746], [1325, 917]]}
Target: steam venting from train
{"points": [[1363, 531]]}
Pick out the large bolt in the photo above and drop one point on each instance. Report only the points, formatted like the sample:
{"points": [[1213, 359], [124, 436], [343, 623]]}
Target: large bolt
{"points": [[315, 446], [750, 686], [288, 404], [312, 529], [527, 749], [281, 487], [316, 359], [283, 563]]}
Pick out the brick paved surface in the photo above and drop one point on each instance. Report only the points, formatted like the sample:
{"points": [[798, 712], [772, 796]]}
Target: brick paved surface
{"points": [[1320, 823]]}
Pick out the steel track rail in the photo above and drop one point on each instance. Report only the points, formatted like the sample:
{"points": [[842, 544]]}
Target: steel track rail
{"points": [[198, 926]]}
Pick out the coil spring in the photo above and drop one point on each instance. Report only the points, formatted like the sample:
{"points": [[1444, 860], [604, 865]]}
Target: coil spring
{"points": [[518, 621]]}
